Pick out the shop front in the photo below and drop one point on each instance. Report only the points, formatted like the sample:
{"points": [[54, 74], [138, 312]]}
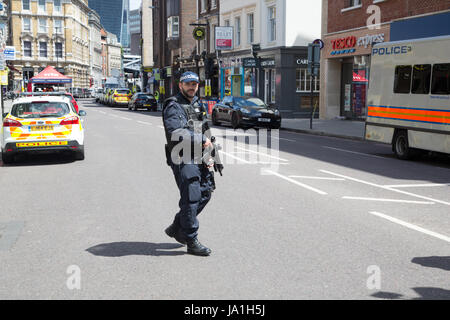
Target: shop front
{"points": [[346, 63], [236, 76]]}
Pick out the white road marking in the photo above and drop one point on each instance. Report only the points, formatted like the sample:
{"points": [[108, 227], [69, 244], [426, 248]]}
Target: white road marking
{"points": [[418, 185], [161, 127], [124, 118], [234, 157], [385, 188], [388, 200], [317, 178], [296, 182], [263, 154], [354, 152], [103, 112], [411, 226], [142, 122], [287, 139]]}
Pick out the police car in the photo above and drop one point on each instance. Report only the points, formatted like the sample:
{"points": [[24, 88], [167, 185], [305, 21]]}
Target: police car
{"points": [[42, 123]]}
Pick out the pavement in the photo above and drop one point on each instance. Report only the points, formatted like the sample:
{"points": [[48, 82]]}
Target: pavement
{"points": [[322, 218], [338, 128]]}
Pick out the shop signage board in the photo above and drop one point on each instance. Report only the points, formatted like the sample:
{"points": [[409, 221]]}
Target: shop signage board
{"points": [[4, 77], [249, 63], [266, 63], [224, 38], [2, 60], [349, 44], [199, 33], [302, 62]]}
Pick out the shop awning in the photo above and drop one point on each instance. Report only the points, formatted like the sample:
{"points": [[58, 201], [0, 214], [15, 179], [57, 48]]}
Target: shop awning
{"points": [[51, 76]]}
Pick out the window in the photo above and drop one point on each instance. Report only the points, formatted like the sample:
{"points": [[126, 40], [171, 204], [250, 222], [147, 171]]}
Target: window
{"points": [[27, 24], [304, 81], [26, 4], [27, 49], [43, 49], [352, 3], [272, 24], [441, 79], [173, 27], [228, 99], [41, 5], [402, 82], [421, 79], [57, 5], [251, 28], [227, 23], [43, 25], [203, 5], [272, 86], [58, 49], [58, 26], [237, 23]]}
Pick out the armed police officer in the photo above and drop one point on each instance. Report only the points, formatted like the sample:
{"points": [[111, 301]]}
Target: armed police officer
{"points": [[187, 134]]}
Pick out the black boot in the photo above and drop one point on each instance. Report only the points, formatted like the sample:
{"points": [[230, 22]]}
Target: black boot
{"points": [[173, 232], [196, 248]]}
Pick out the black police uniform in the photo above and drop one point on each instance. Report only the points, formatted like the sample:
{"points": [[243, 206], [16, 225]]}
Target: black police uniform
{"points": [[194, 180]]}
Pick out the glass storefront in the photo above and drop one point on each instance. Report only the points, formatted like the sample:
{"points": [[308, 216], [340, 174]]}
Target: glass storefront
{"points": [[355, 84]]}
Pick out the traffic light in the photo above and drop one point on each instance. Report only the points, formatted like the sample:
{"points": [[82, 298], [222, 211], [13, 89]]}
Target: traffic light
{"points": [[209, 68]]}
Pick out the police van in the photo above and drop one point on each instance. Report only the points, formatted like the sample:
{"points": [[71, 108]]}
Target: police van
{"points": [[409, 96]]}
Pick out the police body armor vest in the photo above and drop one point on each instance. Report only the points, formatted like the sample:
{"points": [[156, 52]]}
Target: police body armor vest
{"points": [[195, 114]]}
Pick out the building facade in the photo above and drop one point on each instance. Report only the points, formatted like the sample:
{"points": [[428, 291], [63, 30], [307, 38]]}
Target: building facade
{"points": [[146, 45], [208, 18], [95, 41], [52, 33], [114, 56], [114, 16], [174, 44], [269, 55], [351, 28], [135, 32]]}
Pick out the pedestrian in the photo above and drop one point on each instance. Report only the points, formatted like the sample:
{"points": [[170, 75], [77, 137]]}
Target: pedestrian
{"points": [[194, 179]]}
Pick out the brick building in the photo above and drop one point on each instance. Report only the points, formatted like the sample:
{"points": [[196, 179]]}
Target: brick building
{"points": [[205, 60], [350, 28], [173, 42]]}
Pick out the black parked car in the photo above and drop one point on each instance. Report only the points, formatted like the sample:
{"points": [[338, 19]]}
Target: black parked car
{"points": [[143, 100], [246, 112]]}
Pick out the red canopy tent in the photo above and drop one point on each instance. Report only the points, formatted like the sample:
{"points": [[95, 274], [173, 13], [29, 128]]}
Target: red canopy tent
{"points": [[48, 76]]}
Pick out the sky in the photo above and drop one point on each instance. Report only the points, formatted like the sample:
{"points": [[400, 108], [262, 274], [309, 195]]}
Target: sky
{"points": [[134, 4]]}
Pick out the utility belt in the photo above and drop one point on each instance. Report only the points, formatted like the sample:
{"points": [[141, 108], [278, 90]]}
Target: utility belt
{"points": [[168, 150]]}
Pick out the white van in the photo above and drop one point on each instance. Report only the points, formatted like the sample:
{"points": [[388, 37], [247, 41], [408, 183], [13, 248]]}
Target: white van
{"points": [[409, 96]]}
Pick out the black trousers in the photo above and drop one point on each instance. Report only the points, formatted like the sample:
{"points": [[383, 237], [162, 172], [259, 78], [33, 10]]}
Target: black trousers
{"points": [[195, 183]]}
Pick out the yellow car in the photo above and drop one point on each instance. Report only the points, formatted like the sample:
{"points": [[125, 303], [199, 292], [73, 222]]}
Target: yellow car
{"points": [[120, 97]]}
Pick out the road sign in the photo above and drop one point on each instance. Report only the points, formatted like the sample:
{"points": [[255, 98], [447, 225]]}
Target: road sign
{"points": [[320, 42], [313, 58], [10, 53]]}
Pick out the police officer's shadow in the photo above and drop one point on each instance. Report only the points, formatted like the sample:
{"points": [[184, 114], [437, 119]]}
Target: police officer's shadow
{"points": [[120, 249]]}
